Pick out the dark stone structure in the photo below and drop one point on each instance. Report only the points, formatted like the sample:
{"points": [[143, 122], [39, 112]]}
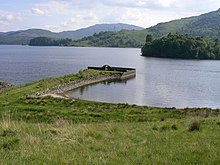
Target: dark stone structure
{"points": [[127, 73]]}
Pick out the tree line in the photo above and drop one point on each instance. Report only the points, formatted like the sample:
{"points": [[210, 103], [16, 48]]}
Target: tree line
{"points": [[181, 46], [45, 41]]}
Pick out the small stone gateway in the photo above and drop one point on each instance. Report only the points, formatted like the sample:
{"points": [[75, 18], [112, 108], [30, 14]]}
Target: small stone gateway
{"points": [[127, 72]]}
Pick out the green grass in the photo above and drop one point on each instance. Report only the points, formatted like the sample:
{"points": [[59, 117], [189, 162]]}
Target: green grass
{"points": [[63, 142], [58, 131]]}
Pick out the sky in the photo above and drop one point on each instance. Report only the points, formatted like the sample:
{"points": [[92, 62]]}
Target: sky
{"points": [[64, 15]]}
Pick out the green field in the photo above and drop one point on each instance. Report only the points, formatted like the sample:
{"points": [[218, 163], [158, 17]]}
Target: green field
{"points": [[49, 130]]}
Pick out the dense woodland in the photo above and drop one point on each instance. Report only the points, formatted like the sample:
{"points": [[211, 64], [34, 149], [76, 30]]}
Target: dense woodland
{"points": [[181, 46], [45, 41]]}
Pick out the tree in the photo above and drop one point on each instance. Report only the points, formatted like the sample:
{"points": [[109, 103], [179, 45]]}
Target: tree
{"points": [[149, 38], [181, 46]]}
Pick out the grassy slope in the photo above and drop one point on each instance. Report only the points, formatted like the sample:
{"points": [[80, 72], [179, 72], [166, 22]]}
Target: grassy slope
{"points": [[57, 131]]}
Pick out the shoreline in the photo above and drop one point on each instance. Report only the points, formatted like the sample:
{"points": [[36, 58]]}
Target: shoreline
{"points": [[5, 85], [60, 91]]}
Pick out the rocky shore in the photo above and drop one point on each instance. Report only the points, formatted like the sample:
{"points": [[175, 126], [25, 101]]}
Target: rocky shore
{"points": [[5, 85]]}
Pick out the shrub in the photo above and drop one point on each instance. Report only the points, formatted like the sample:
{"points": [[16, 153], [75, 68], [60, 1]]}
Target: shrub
{"points": [[10, 144], [206, 114], [174, 127], [154, 128], [194, 125], [164, 128], [8, 133]]}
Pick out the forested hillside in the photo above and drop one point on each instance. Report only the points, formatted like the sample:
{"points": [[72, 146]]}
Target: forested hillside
{"points": [[108, 39], [205, 25], [44, 41]]}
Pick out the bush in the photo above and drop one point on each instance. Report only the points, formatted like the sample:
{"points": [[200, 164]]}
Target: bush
{"points": [[162, 119], [174, 127], [154, 128], [164, 128], [8, 133], [194, 125], [10, 144]]}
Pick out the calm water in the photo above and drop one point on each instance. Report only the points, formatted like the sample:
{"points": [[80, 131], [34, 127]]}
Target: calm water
{"points": [[159, 82]]}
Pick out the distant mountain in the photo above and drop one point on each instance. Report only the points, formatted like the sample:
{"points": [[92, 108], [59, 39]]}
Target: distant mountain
{"points": [[78, 34], [24, 36], [205, 25], [30, 33]]}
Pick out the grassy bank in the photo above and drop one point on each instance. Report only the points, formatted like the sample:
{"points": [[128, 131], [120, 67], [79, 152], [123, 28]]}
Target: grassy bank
{"points": [[58, 131]]}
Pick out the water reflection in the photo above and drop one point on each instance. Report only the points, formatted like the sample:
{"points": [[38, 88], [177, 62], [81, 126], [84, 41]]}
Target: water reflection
{"points": [[102, 89], [105, 83]]}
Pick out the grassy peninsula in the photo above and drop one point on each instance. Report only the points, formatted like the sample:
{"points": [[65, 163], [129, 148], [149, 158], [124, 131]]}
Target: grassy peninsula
{"points": [[46, 130]]}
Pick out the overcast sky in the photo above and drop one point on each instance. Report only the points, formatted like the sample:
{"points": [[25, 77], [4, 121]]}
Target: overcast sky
{"points": [[60, 15]]}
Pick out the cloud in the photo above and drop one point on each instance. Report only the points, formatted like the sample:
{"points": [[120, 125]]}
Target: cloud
{"points": [[143, 17], [61, 15], [165, 3], [143, 13], [82, 19], [51, 7], [149, 4], [37, 11], [9, 17], [195, 6]]}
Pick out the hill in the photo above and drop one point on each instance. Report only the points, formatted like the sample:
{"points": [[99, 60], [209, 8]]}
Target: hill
{"points": [[84, 32], [108, 39], [24, 36], [205, 25]]}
